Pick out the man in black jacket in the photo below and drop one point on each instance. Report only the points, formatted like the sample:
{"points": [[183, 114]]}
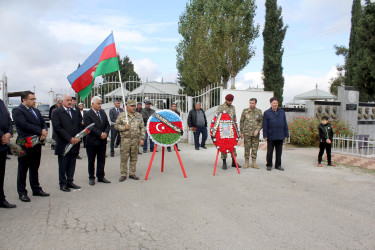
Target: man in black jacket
{"points": [[115, 135], [66, 123], [96, 140], [29, 122], [146, 113], [51, 109], [198, 123], [6, 132], [325, 141]]}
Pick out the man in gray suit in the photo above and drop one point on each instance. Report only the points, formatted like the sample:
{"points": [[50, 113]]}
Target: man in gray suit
{"points": [[115, 135]]}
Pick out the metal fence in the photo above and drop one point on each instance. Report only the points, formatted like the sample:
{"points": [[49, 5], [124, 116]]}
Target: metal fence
{"points": [[358, 145], [209, 96]]}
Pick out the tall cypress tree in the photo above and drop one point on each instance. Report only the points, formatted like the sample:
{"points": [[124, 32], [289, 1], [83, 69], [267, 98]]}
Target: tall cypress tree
{"points": [[353, 43], [273, 36], [364, 70]]}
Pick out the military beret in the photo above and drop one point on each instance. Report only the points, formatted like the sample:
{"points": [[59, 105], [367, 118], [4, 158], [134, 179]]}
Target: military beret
{"points": [[229, 97]]}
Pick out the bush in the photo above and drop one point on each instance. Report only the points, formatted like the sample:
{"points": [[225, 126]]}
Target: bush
{"points": [[304, 131]]}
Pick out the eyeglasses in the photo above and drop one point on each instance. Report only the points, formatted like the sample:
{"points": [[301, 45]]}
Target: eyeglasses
{"points": [[32, 99]]}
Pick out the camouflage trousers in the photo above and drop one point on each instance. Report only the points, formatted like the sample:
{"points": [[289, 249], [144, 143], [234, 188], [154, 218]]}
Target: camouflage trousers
{"points": [[129, 149], [251, 142], [224, 155]]}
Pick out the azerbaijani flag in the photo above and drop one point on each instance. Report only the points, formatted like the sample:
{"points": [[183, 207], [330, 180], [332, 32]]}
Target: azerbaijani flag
{"points": [[102, 61]]}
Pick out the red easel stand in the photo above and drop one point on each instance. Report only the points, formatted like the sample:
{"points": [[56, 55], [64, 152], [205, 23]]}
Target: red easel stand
{"points": [[179, 159], [235, 160], [217, 156], [234, 157], [162, 161], [152, 159]]}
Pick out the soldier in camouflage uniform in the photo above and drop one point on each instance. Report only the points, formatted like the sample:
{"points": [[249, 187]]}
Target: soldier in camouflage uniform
{"points": [[132, 135], [250, 124], [228, 108]]}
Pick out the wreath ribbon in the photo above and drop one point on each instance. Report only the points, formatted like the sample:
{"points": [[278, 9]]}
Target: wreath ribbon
{"points": [[168, 123]]}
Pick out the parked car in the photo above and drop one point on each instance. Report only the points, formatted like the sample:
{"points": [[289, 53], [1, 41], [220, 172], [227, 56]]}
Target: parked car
{"points": [[44, 111]]}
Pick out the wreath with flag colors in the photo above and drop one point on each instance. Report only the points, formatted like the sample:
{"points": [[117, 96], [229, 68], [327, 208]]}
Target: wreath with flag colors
{"points": [[224, 132], [165, 128]]}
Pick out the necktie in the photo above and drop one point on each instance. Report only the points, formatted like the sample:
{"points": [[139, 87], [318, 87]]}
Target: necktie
{"points": [[32, 112], [70, 113], [117, 111], [98, 114]]}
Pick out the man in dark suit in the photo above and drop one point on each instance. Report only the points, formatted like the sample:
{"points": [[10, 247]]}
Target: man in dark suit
{"points": [[75, 108], [51, 109], [96, 141], [29, 122], [66, 123], [115, 135], [82, 113], [6, 132]]}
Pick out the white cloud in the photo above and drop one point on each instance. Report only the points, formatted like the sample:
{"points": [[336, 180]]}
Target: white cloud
{"points": [[147, 69]]}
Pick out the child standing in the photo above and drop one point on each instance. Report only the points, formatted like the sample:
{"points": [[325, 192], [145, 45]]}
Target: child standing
{"points": [[325, 140]]}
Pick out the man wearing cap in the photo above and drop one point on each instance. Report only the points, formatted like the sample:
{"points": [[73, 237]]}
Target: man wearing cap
{"points": [[228, 108], [275, 129], [132, 131], [146, 113], [115, 136]]}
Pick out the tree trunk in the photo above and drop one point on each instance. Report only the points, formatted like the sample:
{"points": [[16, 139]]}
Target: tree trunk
{"points": [[232, 82]]}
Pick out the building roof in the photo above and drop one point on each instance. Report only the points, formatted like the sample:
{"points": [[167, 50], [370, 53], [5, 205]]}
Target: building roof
{"points": [[315, 94], [117, 93], [168, 88]]}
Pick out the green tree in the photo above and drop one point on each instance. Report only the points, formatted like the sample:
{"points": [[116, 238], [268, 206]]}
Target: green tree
{"points": [[216, 41], [273, 36], [364, 69], [350, 61], [340, 79]]}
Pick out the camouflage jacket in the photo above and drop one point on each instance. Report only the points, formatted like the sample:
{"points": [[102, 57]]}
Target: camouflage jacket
{"points": [[228, 109], [137, 127], [251, 120]]}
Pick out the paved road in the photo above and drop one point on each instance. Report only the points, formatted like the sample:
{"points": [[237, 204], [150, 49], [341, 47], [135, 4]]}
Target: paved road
{"points": [[305, 207]]}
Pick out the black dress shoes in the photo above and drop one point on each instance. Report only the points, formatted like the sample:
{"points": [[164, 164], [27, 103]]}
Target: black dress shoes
{"points": [[64, 188], [74, 186], [6, 204], [112, 154], [204, 147], [169, 149], [104, 180], [139, 153], [269, 168], [40, 193], [92, 182], [134, 177], [24, 198], [79, 157], [280, 168]]}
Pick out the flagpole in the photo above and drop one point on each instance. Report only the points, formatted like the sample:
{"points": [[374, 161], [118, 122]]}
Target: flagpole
{"points": [[123, 97]]}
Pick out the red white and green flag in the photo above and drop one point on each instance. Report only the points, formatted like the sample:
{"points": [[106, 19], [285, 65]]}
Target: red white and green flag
{"points": [[102, 61]]}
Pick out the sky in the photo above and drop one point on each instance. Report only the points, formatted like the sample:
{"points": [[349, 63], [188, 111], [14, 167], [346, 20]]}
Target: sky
{"points": [[42, 41]]}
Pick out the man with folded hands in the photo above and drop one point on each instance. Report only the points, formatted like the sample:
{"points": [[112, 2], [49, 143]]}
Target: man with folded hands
{"points": [[66, 122], [29, 122]]}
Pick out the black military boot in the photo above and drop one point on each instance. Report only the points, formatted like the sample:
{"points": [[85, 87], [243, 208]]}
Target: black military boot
{"points": [[225, 164], [234, 164]]}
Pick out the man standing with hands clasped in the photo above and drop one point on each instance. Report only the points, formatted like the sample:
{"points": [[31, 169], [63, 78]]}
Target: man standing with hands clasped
{"points": [[66, 123], [96, 140], [29, 122], [132, 131], [250, 124], [115, 135], [275, 129]]}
